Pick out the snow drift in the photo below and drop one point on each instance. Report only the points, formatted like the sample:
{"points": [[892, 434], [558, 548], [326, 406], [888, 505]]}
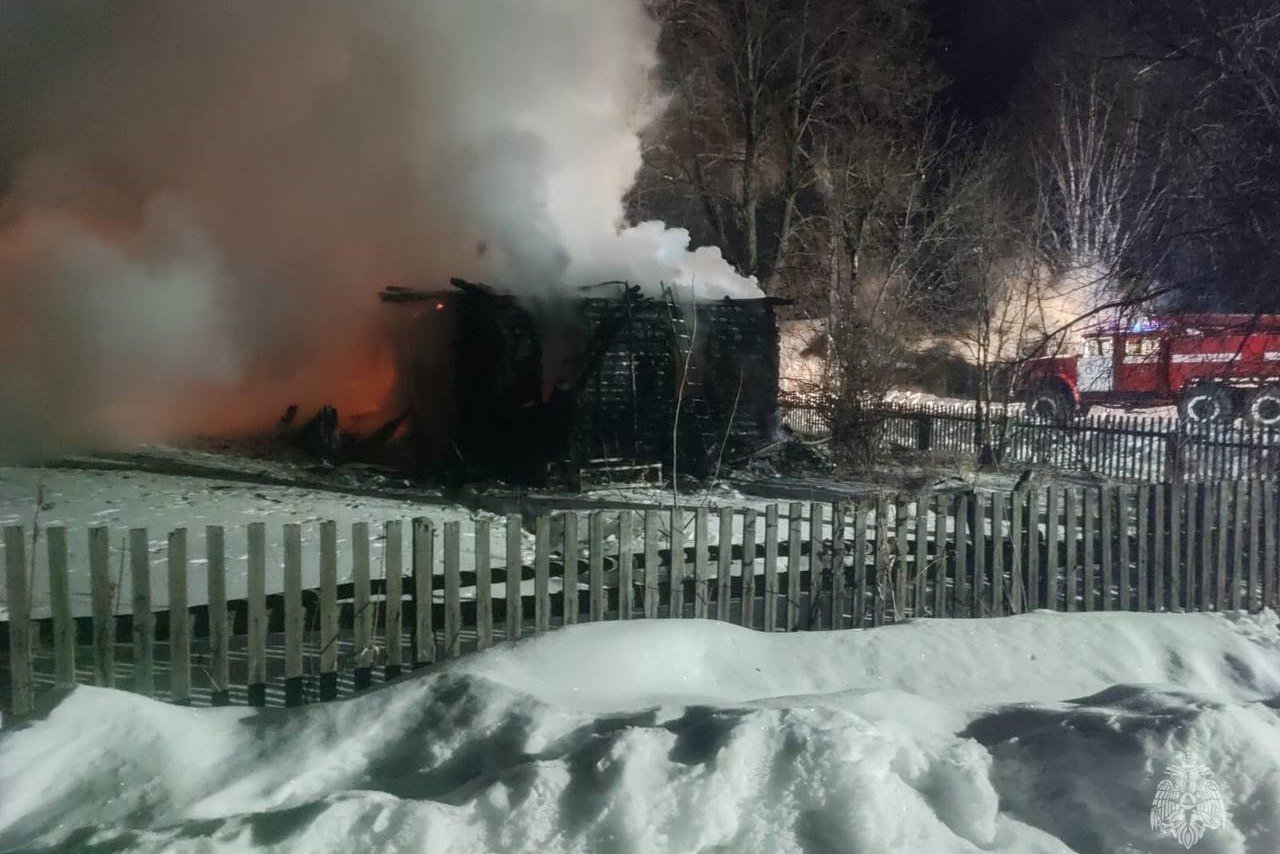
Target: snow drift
{"points": [[1040, 733]]}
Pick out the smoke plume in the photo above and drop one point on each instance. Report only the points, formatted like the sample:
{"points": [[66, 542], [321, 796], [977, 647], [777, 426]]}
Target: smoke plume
{"points": [[200, 201]]}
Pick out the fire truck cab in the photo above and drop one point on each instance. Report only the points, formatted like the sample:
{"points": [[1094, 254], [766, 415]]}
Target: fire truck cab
{"points": [[1213, 367]]}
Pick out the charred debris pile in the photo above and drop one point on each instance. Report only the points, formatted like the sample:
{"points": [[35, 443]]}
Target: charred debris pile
{"points": [[523, 390]]}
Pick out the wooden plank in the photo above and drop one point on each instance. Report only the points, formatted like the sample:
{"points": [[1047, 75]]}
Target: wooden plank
{"points": [[723, 565], [901, 564], [452, 553], [1090, 499], [484, 583], [883, 590], [1222, 536], [998, 537], [652, 587], [795, 513], [361, 606], [810, 611], [393, 560], [1271, 568], [64, 627], [422, 565], [702, 579], [1173, 532], [1031, 591], [144, 629], [599, 603], [513, 604], [1124, 548], [1159, 567], [1190, 546], [1143, 557], [328, 610], [626, 561], [257, 613], [859, 564], [1070, 562], [962, 602], [771, 568], [294, 615], [676, 539], [220, 631], [21, 630], [748, 607], [1239, 513], [1208, 515], [569, 598], [179, 620], [542, 573], [919, 602], [1052, 535], [1017, 564], [104, 619], [1107, 508], [942, 507], [835, 617], [1253, 600]]}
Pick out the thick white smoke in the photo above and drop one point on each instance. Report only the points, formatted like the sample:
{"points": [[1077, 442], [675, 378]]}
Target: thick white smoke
{"points": [[200, 201]]}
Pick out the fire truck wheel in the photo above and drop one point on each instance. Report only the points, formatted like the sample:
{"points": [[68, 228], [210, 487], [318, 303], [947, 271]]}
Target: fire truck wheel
{"points": [[1264, 406], [1049, 404], [1206, 404]]}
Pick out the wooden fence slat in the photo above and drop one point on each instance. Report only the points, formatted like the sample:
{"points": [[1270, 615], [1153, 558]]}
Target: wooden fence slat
{"points": [[1017, 564], [64, 627], [1052, 533], [393, 561], [1208, 515], [810, 616], [1222, 537], [1188, 546], [626, 562], [1254, 600], [595, 566], [328, 610], [723, 565], [795, 512], [902, 550], [883, 559], [423, 564], [1159, 567], [294, 615], [542, 573], [676, 539], [748, 608], [860, 564], [21, 640], [918, 600], [452, 553], [361, 606], [179, 620], [484, 583], [1071, 533], [1271, 571], [1107, 508], [144, 632], [1239, 512], [1124, 516], [998, 538], [220, 631], [701, 566], [1090, 500], [569, 600], [652, 588], [962, 602], [771, 568], [256, 536], [1143, 558], [836, 618], [104, 619], [942, 507], [1032, 589], [513, 603]]}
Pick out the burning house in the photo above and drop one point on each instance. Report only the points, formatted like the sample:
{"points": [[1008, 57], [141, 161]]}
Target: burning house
{"points": [[500, 387]]}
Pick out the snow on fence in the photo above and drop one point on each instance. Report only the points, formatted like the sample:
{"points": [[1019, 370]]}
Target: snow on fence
{"points": [[1141, 448], [947, 554]]}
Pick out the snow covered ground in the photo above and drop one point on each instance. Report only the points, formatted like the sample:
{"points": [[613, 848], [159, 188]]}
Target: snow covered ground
{"points": [[1039, 733]]}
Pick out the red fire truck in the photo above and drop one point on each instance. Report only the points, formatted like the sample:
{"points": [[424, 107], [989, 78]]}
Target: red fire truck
{"points": [[1214, 367]]}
